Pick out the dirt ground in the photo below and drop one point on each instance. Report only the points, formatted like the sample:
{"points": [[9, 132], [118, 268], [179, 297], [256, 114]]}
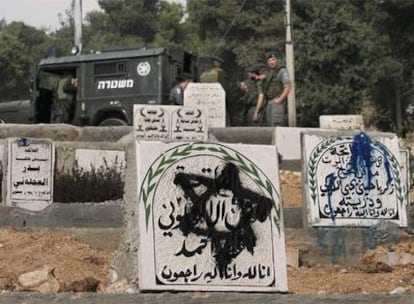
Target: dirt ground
{"points": [[79, 267]]}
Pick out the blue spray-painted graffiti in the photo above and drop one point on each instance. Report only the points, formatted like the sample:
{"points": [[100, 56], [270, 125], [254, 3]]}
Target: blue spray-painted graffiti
{"points": [[361, 152], [357, 180], [330, 181], [333, 241]]}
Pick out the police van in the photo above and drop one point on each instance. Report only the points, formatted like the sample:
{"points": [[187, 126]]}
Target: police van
{"points": [[109, 84]]}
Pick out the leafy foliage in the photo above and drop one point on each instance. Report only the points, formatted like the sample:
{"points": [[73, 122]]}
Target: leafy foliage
{"points": [[21, 46]]}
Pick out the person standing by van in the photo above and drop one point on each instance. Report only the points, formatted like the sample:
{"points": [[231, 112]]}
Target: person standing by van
{"points": [[64, 101]]}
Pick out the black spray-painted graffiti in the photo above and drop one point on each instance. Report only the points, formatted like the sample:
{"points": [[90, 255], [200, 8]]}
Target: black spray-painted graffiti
{"points": [[221, 211]]}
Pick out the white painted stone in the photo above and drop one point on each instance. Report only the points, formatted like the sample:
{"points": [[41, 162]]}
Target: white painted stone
{"points": [[42, 280], [344, 188], [288, 142], [87, 159], [30, 173], [210, 97], [341, 122], [163, 123], [193, 199]]}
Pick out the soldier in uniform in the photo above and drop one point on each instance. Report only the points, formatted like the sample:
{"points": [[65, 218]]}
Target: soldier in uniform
{"points": [[252, 88], [276, 87], [177, 92], [64, 101], [216, 73]]}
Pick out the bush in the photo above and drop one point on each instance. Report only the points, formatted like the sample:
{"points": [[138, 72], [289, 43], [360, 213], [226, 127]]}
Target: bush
{"points": [[96, 185]]}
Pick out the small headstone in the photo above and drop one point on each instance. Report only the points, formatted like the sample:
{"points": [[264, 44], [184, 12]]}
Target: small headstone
{"points": [[210, 217], [152, 122], [30, 173], [341, 122], [353, 179], [188, 124], [163, 123], [210, 97]]}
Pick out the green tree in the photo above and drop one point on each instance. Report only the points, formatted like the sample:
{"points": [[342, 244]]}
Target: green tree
{"points": [[150, 22], [340, 56], [395, 90], [21, 47]]}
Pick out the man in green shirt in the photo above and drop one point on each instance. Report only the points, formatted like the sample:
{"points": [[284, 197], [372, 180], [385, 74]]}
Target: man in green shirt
{"points": [[64, 101], [215, 74], [276, 87]]}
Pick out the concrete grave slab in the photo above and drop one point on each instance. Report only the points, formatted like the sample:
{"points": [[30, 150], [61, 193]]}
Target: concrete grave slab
{"points": [[170, 123], [405, 171], [353, 179], [30, 170], [210, 217], [341, 122], [210, 97]]}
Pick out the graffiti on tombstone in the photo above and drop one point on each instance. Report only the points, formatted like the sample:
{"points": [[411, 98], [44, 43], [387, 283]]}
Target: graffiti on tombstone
{"points": [[353, 180], [210, 218], [30, 173]]}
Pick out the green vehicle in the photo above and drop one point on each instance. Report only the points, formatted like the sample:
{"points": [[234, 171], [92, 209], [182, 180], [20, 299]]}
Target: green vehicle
{"points": [[109, 84]]}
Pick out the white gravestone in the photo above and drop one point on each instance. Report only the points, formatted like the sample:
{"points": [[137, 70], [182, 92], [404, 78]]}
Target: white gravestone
{"points": [[353, 180], [212, 98], [30, 171], [170, 123], [341, 122], [210, 217], [151, 122]]}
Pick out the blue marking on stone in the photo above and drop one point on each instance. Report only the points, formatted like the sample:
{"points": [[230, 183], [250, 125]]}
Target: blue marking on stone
{"points": [[330, 185], [361, 151]]}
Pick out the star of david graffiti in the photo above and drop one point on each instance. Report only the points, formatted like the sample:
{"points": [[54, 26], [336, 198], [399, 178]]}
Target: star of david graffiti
{"points": [[221, 210]]}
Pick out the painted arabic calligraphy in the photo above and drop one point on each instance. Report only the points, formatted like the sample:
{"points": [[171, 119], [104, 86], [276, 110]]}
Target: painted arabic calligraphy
{"points": [[355, 178], [30, 170], [212, 226]]}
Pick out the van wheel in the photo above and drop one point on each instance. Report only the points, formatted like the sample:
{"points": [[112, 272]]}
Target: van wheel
{"points": [[112, 122]]}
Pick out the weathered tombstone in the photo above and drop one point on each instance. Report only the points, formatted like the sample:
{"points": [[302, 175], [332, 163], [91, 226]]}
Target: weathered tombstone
{"points": [[210, 97], [353, 179], [151, 122], [170, 123], [210, 217], [30, 171], [188, 124], [341, 122]]}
